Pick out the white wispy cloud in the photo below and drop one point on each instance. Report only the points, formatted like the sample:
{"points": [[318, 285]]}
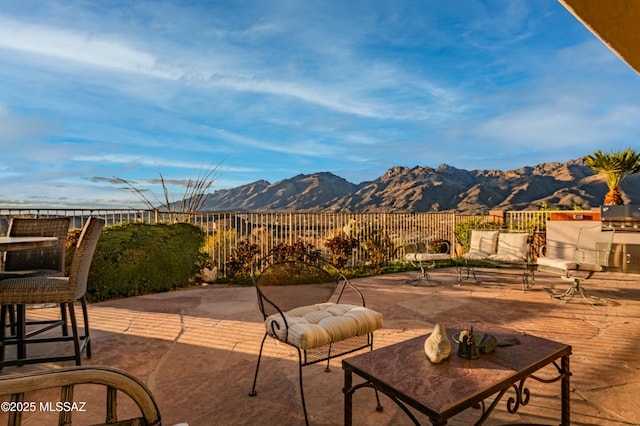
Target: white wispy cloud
{"points": [[115, 53]]}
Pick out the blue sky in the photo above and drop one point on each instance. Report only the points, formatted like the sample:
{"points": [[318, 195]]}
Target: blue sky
{"points": [[91, 90]]}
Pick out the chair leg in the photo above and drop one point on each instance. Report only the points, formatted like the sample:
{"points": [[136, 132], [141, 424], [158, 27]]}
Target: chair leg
{"points": [[304, 405], [63, 318], [74, 330], [255, 377], [12, 319], [87, 336], [424, 275], [577, 288], [3, 326], [21, 331]]}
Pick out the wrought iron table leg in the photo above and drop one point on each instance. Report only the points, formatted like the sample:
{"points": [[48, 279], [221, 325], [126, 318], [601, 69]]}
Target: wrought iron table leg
{"points": [[566, 391]]}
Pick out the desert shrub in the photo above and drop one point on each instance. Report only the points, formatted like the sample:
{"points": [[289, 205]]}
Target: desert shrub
{"points": [[379, 248], [134, 259], [341, 249], [242, 260], [296, 251]]}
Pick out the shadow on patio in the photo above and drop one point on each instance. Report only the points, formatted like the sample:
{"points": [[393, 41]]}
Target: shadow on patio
{"points": [[196, 349]]}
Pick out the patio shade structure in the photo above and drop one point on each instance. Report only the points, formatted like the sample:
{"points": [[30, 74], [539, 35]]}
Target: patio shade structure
{"points": [[614, 22]]}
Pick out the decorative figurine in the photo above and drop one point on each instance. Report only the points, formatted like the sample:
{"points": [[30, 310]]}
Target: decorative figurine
{"points": [[467, 348], [437, 346], [487, 344]]}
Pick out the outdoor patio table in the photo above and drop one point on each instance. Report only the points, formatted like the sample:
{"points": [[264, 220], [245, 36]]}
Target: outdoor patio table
{"points": [[403, 373], [23, 243]]}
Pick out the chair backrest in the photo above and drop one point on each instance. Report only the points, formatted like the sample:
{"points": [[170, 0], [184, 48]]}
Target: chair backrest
{"points": [[483, 241], [75, 387], [514, 244], [416, 248], [594, 246], [46, 258], [86, 247], [287, 283]]}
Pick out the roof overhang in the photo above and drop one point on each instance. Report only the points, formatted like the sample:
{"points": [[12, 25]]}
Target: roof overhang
{"points": [[615, 22]]}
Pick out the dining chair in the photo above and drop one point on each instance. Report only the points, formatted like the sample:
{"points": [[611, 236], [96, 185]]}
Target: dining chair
{"points": [[39, 261], [66, 291]]}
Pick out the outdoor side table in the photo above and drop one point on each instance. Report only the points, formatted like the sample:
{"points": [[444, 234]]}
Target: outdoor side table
{"points": [[440, 391]]}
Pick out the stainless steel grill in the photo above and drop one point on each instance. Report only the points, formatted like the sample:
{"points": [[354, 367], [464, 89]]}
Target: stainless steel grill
{"points": [[624, 218]]}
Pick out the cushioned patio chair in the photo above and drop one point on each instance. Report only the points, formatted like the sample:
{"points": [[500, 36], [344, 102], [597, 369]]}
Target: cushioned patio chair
{"points": [[309, 305], [421, 255], [47, 289], [71, 386], [590, 255]]}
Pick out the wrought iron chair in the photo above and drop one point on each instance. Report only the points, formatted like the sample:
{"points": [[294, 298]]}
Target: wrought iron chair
{"points": [[41, 261], [421, 255], [72, 384], [310, 305], [590, 255], [47, 289]]}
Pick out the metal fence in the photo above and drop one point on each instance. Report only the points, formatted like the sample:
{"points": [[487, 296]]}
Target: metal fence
{"points": [[225, 230]]}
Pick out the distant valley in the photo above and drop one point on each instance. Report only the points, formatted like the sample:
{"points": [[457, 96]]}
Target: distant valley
{"points": [[426, 189]]}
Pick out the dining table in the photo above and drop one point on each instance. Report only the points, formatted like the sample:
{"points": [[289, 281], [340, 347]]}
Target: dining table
{"points": [[25, 243]]}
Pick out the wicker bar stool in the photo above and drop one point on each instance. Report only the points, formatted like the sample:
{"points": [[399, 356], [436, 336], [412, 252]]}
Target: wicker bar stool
{"points": [[47, 289], [48, 261]]}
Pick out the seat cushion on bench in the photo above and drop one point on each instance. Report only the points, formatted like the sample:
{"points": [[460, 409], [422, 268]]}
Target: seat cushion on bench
{"points": [[476, 255], [318, 325], [560, 264], [426, 257], [506, 258]]}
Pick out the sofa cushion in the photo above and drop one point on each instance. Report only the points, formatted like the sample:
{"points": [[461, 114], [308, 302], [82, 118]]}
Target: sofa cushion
{"points": [[476, 255], [559, 264], [506, 258], [484, 242], [513, 245], [318, 325]]}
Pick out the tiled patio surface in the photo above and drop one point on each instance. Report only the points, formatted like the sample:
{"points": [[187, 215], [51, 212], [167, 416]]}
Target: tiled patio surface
{"points": [[196, 349]]}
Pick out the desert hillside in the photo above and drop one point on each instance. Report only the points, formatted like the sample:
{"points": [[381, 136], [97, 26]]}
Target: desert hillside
{"points": [[421, 188]]}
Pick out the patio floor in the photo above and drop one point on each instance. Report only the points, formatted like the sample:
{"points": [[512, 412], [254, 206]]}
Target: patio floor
{"points": [[196, 349]]}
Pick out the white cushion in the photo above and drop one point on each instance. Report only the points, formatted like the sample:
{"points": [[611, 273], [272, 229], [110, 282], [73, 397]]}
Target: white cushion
{"points": [[426, 257], [506, 258], [476, 255], [318, 325], [483, 242], [560, 264], [513, 245]]}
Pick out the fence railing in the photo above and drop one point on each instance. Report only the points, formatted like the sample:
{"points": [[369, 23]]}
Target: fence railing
{"points": [[225, 230]]}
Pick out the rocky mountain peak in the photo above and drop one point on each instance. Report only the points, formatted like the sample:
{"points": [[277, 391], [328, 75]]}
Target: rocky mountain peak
{"points": [[422, 188]]}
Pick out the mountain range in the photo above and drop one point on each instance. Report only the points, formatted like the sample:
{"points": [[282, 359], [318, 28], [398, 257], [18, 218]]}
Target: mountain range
{"points": [[425, 189]]}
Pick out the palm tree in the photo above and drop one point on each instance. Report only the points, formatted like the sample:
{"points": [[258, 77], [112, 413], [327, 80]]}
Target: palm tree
{"points": [[616, 165]]}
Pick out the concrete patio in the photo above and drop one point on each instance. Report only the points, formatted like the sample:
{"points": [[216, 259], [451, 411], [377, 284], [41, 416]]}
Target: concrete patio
{"points": [[196, 349]]}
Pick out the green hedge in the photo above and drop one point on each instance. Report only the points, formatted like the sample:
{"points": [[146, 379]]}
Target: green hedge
{"points": [[134, 259]]}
